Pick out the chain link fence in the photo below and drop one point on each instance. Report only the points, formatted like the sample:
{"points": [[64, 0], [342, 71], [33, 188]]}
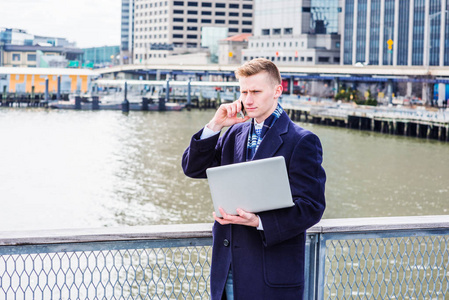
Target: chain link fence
{"points": [[342, 262]]}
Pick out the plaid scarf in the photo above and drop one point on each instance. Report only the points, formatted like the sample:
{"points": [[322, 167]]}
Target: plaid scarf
{"points": [[256, 136]]}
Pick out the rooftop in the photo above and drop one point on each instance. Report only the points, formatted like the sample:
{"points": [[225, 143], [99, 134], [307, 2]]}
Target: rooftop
{"points": [[243, 37]]}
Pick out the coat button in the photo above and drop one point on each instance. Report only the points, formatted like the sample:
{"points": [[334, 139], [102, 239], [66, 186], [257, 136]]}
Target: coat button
{"points": [[226, 242]]}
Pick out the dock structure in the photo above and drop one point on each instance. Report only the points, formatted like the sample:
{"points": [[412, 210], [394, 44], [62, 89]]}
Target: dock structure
{"points": [[373, 258], [417, 122]]}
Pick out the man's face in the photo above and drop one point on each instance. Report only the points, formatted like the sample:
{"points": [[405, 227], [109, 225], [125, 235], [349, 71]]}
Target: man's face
{"points": [[259, 95]]}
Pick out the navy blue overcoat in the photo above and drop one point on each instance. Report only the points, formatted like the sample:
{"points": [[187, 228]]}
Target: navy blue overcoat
{"points": [[266, 264]]}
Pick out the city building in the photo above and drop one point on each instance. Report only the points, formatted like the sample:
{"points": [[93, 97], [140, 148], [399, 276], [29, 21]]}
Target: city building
{"points": [[301, 32], [398, 33], [21, 49], [164, 30], [127, 32], [101, 57], [230, 49]]}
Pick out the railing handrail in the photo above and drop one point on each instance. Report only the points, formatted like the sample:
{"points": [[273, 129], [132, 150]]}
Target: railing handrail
{"points": [[204, 230]]}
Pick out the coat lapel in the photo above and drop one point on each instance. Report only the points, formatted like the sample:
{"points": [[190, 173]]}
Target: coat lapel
{"points": [[241, 140], [273, 140]]}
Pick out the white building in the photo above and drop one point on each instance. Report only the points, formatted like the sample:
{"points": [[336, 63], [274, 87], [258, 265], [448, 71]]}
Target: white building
{"points": [[295, 32], [164, 29]]}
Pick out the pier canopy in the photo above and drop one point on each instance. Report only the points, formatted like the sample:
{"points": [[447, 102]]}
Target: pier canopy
{"points": [[32, 80]]}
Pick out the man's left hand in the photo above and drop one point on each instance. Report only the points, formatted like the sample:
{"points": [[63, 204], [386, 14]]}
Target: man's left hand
{"points": [[243, 218]]}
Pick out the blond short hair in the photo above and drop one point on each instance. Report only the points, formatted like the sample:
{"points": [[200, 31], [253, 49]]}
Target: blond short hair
{"points": [[258, 65]]}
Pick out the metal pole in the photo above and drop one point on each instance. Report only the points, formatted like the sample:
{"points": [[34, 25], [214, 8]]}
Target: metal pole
{"points": [[46, 89], [189, 96], [162, 100], [58, 95], [125, 103]]}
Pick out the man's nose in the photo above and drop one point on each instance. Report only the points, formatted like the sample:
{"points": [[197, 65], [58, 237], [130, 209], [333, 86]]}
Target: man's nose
{"points": [[249, 98]]}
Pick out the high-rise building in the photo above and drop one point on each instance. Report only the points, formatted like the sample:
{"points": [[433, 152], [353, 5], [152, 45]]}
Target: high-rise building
{"points": [[398, 33], [296, 32], [167, 28], [127, 32]]}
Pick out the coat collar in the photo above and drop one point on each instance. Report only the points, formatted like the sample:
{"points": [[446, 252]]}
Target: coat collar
{"points": [[270, 144]]}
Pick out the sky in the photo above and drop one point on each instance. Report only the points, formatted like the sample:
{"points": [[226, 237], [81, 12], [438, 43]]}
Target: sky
{"points": [[88, 23]]}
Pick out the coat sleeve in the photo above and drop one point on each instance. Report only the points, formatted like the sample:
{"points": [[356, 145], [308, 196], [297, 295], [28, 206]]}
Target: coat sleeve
{"points": [[307, 180], [201, 154]]}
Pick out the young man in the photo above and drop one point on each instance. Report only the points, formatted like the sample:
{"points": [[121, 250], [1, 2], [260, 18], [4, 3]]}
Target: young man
{"points": [[260, 256]]}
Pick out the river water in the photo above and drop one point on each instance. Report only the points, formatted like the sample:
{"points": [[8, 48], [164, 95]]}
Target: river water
{"points": [[76, 169]]}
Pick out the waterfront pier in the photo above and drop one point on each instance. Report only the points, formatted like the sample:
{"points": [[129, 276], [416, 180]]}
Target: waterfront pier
{"points": [[373, 258], [418, 122]]}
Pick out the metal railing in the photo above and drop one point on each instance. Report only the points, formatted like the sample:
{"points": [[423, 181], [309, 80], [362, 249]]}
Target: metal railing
{"points": [[371, 258]]}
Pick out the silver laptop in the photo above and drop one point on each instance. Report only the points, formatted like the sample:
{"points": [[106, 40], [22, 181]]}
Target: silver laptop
{"points": [[253, 186]]}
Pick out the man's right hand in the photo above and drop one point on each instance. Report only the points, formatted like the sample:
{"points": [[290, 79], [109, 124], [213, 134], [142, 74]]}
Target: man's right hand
{"points": [[227, 115]]}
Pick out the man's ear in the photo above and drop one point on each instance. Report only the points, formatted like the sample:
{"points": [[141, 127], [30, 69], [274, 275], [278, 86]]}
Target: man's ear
{"points": [[278, 91]]}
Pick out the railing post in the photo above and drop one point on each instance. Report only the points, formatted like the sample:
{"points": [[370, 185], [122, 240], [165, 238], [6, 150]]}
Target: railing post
{"points": [[310, 268], [320, 266], [314, 266]]}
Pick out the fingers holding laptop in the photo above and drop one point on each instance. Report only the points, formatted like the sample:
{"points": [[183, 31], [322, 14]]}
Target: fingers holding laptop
{"points": [[243, 218]]}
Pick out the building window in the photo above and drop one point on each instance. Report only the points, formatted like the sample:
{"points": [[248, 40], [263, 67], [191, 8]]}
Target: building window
{"points": [[247, 23], [221, 5], [192, 20], [192, 3], [220, 13], [206, 13], [206, 4], [309, 58], [306, 9], [178, 27], [276, 31], [178, 19], [219, 21], [178, 3], [16, 57], [192, 12], [265, 31], [233, 14], [178, 36], [233, 6], [178, 11], [247, 15], [206, 21], [31, 57], [192, 36], [247, 6], [191, 45], [323, 59], [288, 30], [337, 60], [192, 28], [234, 22], [233, 30], [246, 30]]}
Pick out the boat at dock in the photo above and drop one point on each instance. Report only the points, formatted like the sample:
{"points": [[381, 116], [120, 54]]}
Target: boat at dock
{"points": [[115, 106]]}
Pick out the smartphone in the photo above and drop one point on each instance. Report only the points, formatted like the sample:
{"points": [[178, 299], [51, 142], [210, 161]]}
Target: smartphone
{"points": [[242, 111]]}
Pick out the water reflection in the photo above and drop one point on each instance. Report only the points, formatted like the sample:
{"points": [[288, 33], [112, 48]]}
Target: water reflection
{"points": [[64, 169]]}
